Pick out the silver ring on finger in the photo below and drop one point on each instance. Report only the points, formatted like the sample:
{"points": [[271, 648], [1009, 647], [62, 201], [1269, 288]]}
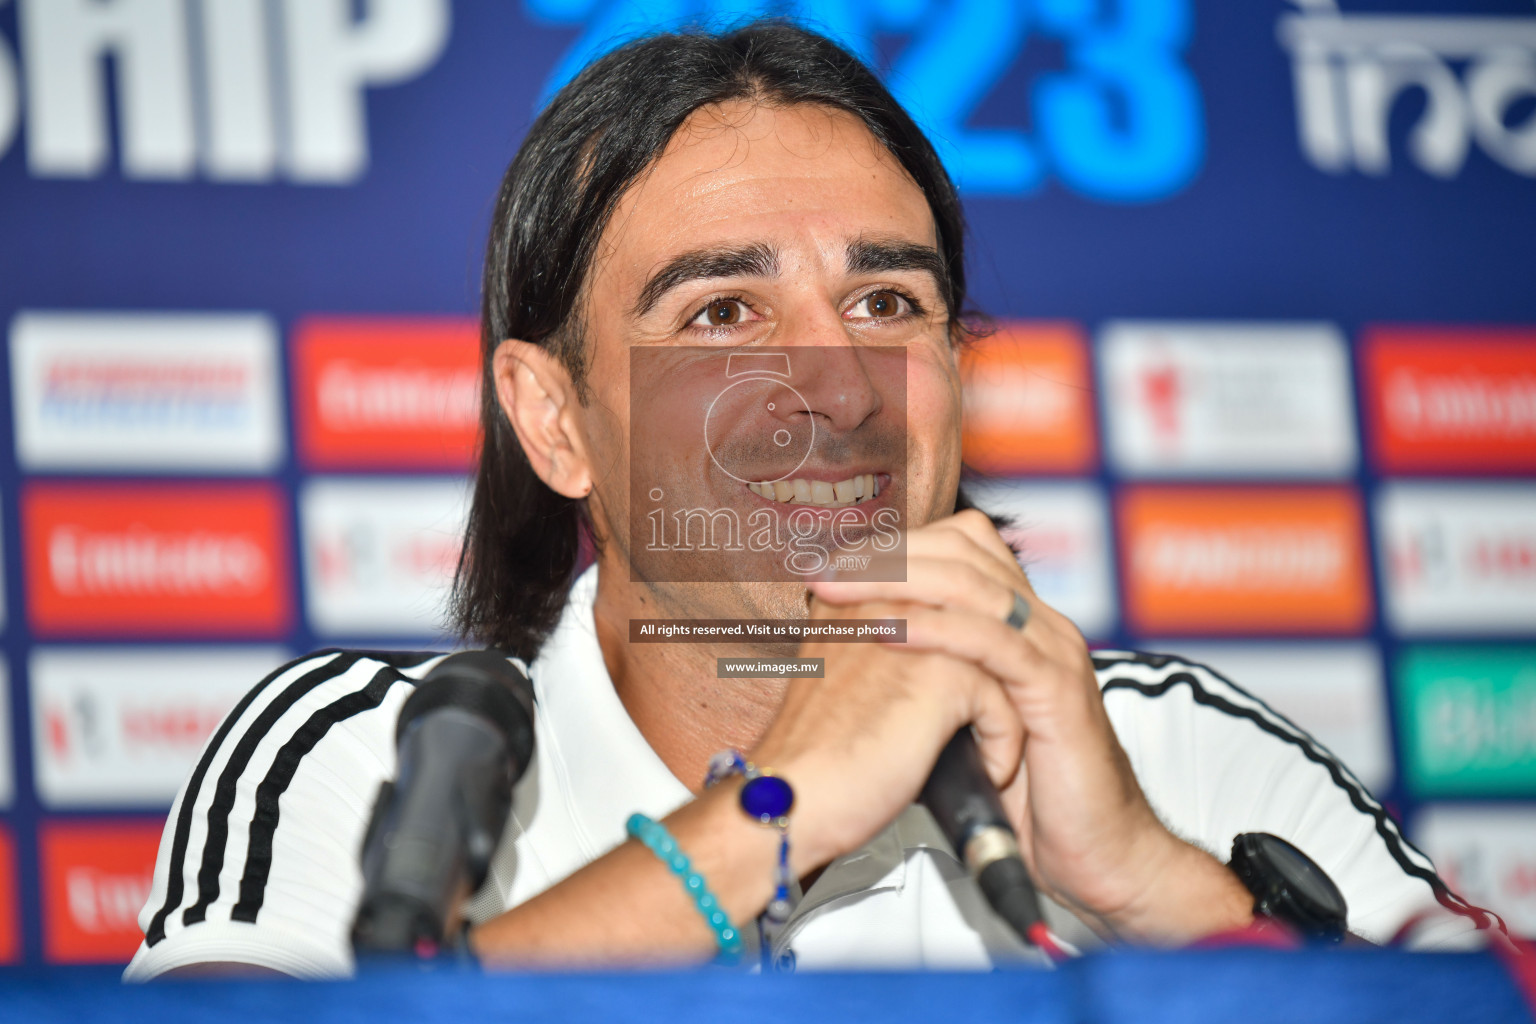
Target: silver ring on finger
{"points": [[1018, 616]]}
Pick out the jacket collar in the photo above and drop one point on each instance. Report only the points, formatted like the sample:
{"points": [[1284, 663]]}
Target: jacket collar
{"points": [[605, 769]]}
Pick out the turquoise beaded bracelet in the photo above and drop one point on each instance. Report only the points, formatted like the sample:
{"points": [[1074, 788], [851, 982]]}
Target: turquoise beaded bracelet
{"points": [[660, 842]]}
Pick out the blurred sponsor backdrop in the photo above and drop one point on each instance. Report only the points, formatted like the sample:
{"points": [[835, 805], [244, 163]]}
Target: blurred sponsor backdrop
{"points": [[1263, 388]]}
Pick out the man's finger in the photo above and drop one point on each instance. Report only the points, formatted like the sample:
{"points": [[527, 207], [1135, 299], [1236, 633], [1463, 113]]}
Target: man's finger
{"points": [[1028, 663], [932, 582]]}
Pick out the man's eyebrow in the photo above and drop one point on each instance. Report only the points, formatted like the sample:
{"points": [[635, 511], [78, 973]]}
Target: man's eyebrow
{"points": [[755, 260], [871, 256]]}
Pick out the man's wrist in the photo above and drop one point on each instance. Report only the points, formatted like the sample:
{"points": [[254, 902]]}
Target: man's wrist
{"points": [[1192, 896], [811, 846], [734, 853]]}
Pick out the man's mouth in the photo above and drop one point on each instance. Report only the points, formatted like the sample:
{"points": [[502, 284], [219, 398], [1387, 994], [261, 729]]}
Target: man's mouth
{"points": [[822, 493]]}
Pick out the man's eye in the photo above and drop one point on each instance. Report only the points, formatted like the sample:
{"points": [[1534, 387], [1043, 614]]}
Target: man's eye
{"points": [[881, 305], [721, 313]]}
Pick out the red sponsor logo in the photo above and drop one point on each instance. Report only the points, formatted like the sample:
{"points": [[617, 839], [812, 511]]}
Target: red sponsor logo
{"points": [[154, 726], [1503, 880], [341, 562], [1161, 388], [96, 879], [1268, 560], [75, 730], [376, 393], [86, 379], [10, 909], [172, 559], [1451, 400], [1424, 558], [1519, 881]]}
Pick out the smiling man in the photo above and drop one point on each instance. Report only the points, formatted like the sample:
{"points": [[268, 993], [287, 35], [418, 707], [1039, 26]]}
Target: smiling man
{"points": [[722, 315]]}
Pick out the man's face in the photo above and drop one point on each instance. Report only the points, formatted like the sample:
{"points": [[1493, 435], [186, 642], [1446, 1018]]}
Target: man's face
{"points": [[764, 234]]}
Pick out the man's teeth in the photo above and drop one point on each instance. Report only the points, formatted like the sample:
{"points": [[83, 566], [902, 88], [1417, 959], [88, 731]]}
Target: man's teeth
{"points": [[820, 492]]}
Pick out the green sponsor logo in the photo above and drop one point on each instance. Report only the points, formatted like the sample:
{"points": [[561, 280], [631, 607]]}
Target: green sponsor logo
{"points": [[1468, 716]]}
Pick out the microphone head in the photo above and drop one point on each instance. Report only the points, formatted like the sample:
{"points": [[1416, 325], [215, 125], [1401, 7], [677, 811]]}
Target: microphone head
{"points": [[484, 683]]}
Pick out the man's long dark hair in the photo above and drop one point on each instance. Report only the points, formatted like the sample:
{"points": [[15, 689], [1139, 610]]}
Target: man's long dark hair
{"points": [[583, 152]]}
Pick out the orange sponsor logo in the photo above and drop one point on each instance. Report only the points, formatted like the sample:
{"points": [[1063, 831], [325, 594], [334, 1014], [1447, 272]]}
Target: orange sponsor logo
{"points": [[96, 879], [1451, 400], [10, 908], [386, 392], [163, 560], [1029, 401], [1254, 560]]}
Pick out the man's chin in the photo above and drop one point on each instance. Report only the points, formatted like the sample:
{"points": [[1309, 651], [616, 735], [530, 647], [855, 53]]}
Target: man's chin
{"points": [[733, 599]]}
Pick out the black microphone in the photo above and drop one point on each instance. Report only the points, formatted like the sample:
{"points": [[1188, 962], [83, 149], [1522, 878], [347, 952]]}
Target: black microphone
{"points": [[465, 737], [969, 812]]}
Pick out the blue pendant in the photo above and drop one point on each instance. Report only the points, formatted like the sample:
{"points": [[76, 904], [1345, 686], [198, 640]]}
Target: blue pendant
{"points": [[767, 798]]}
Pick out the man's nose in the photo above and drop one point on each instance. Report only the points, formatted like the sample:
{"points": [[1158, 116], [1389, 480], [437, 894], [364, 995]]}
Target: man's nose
{"points": [[841, 381]]}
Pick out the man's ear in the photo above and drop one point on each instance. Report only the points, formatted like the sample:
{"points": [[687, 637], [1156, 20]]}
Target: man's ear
{"points": [[537, 397]]}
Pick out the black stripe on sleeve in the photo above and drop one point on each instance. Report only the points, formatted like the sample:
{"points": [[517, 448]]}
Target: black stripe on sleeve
{"points": [[229, 779], [240, 758], [1358, 796], [258, 860], [174, 889]]}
